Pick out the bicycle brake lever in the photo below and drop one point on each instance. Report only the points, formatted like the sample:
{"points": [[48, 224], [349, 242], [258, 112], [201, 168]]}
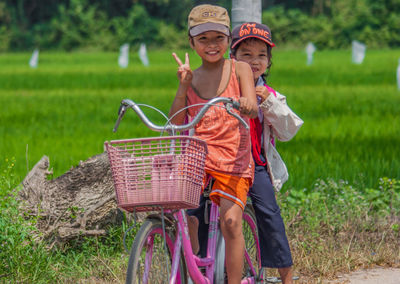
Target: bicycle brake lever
{"points": [[229, 107], [121, 112]]}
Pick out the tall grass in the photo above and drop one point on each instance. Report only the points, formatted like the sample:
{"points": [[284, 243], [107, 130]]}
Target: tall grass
{"points": [[67, 106]]}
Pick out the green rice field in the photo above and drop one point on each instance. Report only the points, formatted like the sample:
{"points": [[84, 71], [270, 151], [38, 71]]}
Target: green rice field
{"points": [[67, 106]]}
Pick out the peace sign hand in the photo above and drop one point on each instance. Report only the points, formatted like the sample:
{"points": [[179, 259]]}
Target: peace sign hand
{"points": [[184, 73]]}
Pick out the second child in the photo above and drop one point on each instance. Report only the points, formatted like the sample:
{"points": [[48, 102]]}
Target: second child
{"points": [[252, 43]]}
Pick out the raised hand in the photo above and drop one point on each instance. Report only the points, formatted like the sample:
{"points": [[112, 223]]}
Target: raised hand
{"points": [[184, 73], [262, 92]]}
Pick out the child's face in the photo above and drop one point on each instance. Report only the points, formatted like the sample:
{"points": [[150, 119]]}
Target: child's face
{"points": [[255, 53], [210, 46]]}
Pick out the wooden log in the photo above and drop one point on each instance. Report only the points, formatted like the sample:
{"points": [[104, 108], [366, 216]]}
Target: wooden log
{"points": [[81, 202]]}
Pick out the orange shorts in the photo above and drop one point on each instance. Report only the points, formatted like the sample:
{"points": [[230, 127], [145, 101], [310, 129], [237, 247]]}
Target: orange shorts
{"points": [[233, 188]]}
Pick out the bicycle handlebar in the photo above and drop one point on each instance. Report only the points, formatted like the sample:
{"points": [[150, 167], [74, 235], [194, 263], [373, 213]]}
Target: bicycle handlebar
{"points": [[171, 128]]}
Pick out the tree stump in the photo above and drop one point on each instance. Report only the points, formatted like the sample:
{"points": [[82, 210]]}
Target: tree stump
{"points": [[81, 202]]}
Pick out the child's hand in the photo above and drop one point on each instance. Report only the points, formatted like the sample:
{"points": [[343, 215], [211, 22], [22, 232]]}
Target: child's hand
{"points": [[184, 73], [262, 92], [245, 106]]}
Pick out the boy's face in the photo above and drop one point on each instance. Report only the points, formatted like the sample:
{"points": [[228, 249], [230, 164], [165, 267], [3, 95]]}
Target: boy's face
{"points": [[255, 53], [210, 46]]}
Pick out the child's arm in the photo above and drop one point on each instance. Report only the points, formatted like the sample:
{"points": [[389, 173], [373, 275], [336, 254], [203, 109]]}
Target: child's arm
{"points": [[248, 100], [284, 122], [185, 76]]}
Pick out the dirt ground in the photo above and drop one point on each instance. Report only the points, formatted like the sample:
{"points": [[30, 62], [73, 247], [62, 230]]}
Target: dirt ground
{"points": [[370, 276]]}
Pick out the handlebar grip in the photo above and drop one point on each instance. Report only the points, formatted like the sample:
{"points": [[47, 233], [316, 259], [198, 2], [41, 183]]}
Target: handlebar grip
{"points": [[236, 105]]}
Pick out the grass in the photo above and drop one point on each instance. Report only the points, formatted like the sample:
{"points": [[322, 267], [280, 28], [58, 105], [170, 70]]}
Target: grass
{"points": [[342, 228], [24, 260], [338, 209], [66, 109]]}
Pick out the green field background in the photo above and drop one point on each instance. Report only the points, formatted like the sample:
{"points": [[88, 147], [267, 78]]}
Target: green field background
{"points": [[66, 109]]}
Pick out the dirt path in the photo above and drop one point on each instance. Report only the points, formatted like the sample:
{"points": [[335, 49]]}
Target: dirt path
{"points": [[370, 276]]}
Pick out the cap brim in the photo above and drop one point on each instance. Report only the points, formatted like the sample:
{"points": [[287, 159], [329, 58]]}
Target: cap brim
{"points": [[206, 27], [253, 36]]}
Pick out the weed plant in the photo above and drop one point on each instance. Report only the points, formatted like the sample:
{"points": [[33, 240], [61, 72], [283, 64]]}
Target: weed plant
{"points": [[341, 228], [20, 257]]}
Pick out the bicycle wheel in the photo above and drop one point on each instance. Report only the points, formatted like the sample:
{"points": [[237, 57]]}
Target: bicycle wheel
{"points": [[252, 260], [148, 261]]}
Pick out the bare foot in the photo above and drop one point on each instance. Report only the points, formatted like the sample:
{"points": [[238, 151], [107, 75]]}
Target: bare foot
{"points": [[193, 224]]}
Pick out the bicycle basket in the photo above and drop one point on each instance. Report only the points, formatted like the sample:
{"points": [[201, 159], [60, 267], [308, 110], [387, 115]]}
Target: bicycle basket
{"points": [[154, 173]]}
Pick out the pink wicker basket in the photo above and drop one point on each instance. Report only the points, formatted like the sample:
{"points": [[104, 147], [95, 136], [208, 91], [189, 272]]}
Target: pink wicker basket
{"points": [[154, 173]]}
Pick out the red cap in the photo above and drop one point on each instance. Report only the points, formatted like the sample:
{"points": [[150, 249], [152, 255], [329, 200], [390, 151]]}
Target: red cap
{"points": [[251, 29]]}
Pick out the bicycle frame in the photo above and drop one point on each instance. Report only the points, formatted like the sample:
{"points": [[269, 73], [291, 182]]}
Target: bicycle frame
{"points": [[193, 262]]}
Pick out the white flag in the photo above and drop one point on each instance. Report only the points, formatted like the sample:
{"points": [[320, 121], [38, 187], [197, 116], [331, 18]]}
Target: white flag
{"points": [[123, 58], [310, 49], [358, 52], [398, 76], [143, 55], [33, 62]]}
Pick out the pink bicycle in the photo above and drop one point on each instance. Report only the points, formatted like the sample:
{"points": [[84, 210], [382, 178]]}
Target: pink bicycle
{"points": [[164, 176]]}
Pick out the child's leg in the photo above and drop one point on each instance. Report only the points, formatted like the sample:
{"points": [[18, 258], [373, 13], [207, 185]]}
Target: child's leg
{"points": [[231, 227], [286, 274], [193, 224], [198, 225]]}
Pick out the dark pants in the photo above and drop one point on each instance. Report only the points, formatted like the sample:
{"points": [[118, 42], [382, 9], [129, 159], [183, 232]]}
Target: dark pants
{"points": [[274, 246]]}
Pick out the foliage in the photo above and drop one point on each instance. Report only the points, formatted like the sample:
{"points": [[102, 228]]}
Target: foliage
{"points": [[4, 28], [337, 227], [335, 202], [337, 24], [81, 25], [137, 28], [19, 254], [104, 25], [171, 38]]}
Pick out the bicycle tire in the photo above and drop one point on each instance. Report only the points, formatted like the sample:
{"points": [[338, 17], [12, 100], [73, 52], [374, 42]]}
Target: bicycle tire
{"points": [[252, 249], [150, 236], [252, 245]]}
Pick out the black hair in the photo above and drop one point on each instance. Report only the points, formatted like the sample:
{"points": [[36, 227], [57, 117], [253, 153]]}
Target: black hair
{"points": [[269, 54]]}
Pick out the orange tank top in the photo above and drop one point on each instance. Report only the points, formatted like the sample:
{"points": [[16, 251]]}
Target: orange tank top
{"points": [[228, 141]]}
